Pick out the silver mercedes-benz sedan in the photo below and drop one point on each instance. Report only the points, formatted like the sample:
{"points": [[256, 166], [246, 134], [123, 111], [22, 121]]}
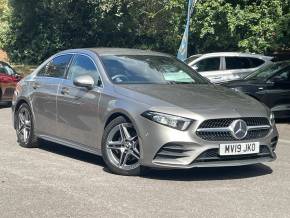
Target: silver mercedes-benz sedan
{"points": [[140, 108]]}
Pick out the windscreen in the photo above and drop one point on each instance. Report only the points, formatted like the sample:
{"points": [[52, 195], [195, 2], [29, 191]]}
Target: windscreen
{"points": [[147, 69], [267, 72]]}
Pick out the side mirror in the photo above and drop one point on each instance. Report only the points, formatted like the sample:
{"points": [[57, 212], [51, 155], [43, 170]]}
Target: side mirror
{"points": [[85, 81], [195, 67]]}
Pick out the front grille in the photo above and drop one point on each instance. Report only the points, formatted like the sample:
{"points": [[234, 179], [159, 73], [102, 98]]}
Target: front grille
{"points": [[222, 135], [226, 136], [217, 123], [212, 155]]}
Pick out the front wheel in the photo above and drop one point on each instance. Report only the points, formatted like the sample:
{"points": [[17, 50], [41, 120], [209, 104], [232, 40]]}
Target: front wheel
{"points": [[120, 148]]}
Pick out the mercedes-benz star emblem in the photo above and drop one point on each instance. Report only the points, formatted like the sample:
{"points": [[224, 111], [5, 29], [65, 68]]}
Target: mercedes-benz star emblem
{"points": [[239, 129]]}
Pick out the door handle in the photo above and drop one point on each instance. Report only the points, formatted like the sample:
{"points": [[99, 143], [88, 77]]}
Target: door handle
{"points": [[65, 91], [35, 85]]}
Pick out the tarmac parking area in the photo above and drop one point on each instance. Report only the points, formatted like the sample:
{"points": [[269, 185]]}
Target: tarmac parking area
{"points": [[55, 181]]}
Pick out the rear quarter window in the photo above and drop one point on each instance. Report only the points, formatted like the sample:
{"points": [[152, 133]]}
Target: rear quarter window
{"points": [[256, 62]]}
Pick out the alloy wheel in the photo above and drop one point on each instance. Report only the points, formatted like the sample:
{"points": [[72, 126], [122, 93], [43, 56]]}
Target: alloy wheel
{"points": [[24, 125], [122, 147]]}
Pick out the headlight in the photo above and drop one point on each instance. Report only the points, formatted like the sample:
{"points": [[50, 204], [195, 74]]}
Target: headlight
{"points": [[272, 118], [172, 121]]}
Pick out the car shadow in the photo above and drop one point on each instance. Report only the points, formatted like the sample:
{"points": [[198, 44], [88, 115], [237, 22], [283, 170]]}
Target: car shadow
{"points": [[71, 153], [195, 174], [283, 121], [207, 174], [3, 106]]}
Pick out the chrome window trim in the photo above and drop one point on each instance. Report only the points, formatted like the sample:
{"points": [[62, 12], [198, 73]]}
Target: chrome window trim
{"points": [[98, 70], [49, 60]]}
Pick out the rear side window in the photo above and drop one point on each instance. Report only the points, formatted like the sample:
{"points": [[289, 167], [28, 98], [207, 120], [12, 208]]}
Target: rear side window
{"points": [[256, 62], [209, 64], [236, 63], [57, 67]]}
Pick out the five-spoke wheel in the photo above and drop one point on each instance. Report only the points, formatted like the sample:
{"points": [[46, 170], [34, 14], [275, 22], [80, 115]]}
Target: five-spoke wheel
{"points": [[121, 148]]}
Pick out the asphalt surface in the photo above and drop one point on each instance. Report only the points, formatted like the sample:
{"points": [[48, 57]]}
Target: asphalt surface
{"points": [[54, 181]]}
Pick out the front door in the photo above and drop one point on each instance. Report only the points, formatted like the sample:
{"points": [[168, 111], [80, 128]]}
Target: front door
{"points": [[77, 106], [210, 68]]}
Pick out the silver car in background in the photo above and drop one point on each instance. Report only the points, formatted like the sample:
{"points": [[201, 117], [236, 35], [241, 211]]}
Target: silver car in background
{"points": [[227, 66], [140, 108]]}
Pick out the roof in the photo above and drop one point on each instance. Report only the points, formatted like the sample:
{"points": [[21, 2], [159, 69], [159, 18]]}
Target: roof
{"points": [[118, 51], [125, 51], [236, 54]]}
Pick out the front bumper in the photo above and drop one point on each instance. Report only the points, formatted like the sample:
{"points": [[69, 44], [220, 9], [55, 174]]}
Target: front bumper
{"points": [[164, 147]]}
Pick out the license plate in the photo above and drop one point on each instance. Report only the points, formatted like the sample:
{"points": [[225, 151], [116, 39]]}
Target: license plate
{"points": [[239, 148]]}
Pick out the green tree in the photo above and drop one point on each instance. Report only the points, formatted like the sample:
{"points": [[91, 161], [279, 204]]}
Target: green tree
{"points": [[4, 21], [220, 25], [39, 28]]}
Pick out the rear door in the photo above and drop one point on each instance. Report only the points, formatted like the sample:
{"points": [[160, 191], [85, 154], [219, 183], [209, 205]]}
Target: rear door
{"points": [[45, 89], [238, 67], [78, 109]]}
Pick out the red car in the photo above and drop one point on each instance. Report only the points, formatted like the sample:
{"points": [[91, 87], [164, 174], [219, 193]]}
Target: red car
{"points": [[8, 80]]}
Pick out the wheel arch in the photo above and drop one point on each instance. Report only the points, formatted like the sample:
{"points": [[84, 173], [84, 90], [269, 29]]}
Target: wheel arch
{"points": [[120, 112], [114, 116]]}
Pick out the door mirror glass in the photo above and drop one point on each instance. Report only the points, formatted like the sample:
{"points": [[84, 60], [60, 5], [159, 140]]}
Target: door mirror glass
{"points": [[85, 81]]}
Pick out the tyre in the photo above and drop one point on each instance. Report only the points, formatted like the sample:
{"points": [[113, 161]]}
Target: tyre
{"points": [[120, 148], [25, 128]]}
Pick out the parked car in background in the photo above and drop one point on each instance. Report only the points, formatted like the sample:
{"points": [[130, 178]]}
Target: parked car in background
{"points": [[8, 80], [270, 85], [227, 66], [140, 108]]}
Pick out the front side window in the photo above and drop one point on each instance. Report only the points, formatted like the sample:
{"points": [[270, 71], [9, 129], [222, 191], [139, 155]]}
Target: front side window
{"points": [[209, 64], [83, 65], [236, 63], [148, 69], [57, 67]]}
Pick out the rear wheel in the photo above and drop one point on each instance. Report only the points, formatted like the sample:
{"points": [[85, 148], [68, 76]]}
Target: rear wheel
{"points": [[120, 148], [25, 127]]}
